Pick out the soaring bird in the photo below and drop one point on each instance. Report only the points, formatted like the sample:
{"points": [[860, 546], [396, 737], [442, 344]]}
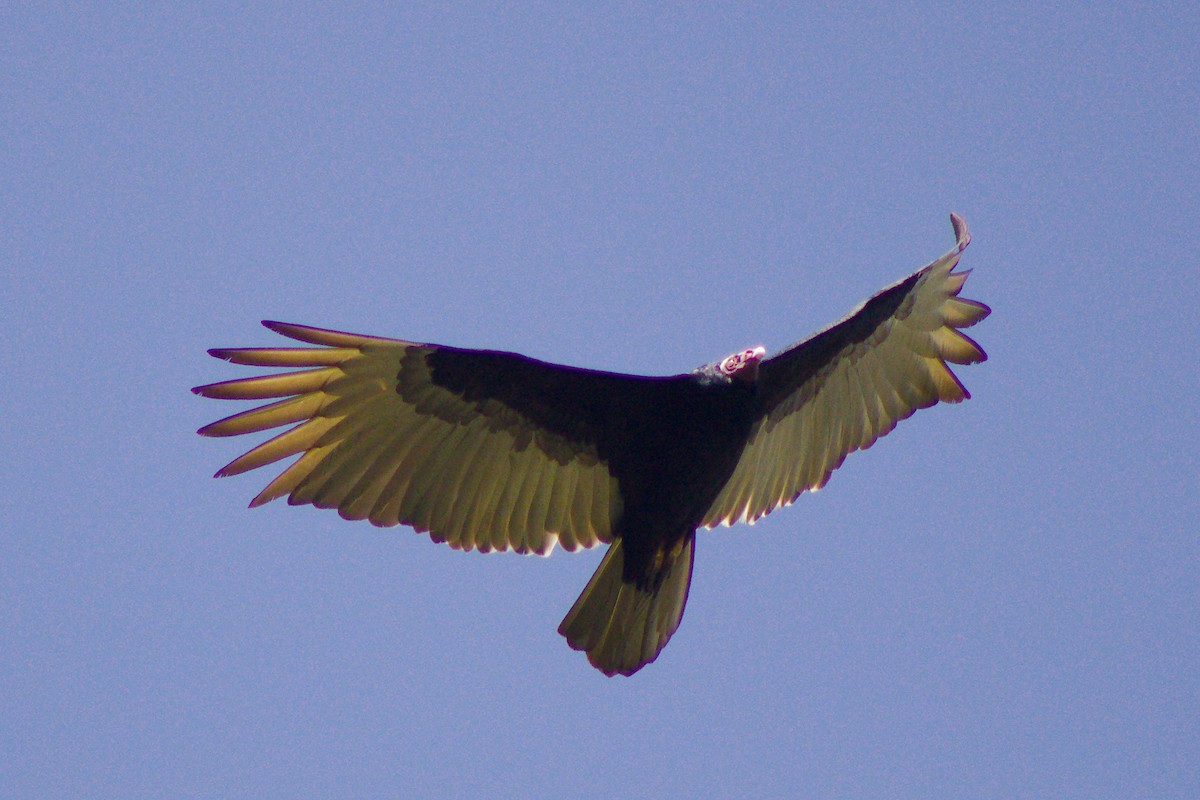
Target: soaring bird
{"points": [[489, 450]]}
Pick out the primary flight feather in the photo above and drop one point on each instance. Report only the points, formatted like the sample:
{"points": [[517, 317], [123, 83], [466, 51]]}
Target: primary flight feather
{"points": [[496, 451]]}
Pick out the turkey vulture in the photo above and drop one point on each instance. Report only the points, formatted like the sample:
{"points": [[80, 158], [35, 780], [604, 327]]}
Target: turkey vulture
{"points": [[489, 450]]}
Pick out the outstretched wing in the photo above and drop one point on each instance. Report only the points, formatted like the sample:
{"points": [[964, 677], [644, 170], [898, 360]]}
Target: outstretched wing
{"points": [[843, 388], [485, 450]]}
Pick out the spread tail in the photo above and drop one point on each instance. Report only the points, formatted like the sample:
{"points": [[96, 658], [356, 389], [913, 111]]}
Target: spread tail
{"points": [[621, 627]]}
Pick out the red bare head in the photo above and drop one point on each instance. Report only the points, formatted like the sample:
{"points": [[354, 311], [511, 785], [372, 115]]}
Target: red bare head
{"points": [[743, 365]]}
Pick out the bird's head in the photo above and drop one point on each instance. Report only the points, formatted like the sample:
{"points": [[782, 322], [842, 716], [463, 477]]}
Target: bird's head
{"points": [[743, 365]]}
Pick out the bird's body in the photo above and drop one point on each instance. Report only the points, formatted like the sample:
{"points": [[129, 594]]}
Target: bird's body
{"points": [[495, 451]]}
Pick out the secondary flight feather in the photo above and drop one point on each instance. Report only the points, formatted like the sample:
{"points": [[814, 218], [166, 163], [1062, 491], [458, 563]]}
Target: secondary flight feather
{"points": [[488, 450]]}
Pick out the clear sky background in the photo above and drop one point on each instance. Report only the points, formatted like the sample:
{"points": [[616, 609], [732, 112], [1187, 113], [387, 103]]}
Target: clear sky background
{"points": [[1000, 599]]}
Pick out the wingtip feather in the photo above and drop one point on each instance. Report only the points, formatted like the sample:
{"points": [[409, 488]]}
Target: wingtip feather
{"points": [[962, 233], [324, 336], [983, 313]]}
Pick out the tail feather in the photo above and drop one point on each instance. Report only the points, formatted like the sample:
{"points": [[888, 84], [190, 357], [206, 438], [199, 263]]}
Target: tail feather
{"points": [[621, 627]]}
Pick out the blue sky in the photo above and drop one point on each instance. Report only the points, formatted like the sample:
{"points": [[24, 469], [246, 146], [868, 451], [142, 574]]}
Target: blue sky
{"points": [[999, 599]]}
